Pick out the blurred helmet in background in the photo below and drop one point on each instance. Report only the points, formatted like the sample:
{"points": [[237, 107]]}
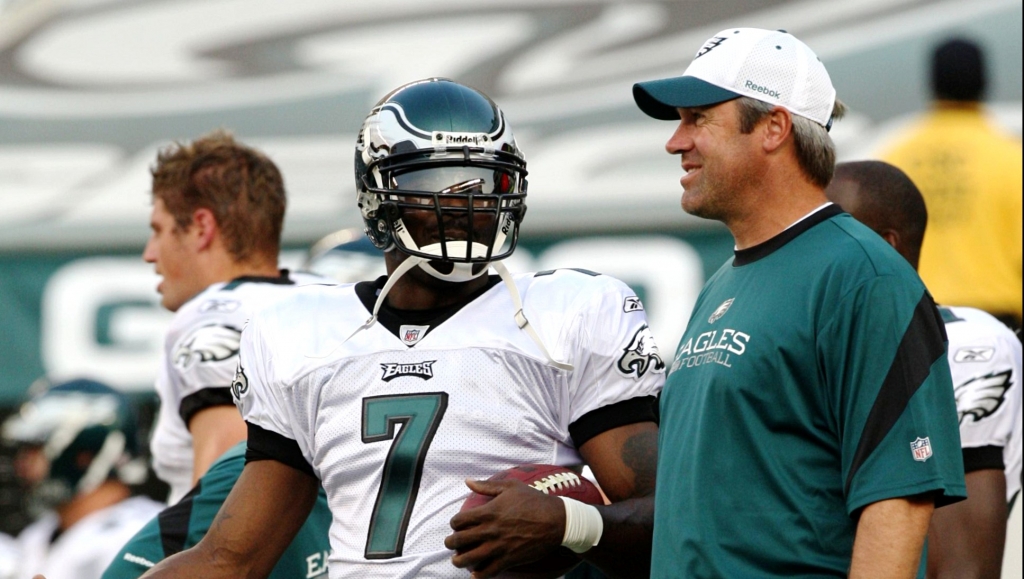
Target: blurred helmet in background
{"points": [[71, 438], [346, 256]]}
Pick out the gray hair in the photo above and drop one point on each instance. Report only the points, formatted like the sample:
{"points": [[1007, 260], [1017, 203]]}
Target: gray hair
{"points": [[815, 151]]}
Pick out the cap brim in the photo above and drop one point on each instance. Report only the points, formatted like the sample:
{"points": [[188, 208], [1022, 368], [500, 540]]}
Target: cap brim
{"points": [[661, 98]]}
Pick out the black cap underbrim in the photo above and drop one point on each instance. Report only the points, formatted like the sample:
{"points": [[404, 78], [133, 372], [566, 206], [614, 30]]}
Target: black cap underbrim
{"points": [[661, 98]]}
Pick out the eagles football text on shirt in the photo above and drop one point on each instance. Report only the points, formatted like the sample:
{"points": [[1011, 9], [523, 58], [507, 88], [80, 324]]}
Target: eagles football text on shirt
{"points": [[198, 363], [811, 381], [393, 427], [985, 359]]}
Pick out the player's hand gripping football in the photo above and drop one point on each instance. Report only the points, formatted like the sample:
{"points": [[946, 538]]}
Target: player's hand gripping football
{"points": [[518, 526]]}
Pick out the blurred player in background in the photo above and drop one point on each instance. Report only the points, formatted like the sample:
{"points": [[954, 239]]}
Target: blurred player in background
{"points": [[966, 539], [77, 447], [969, 172], [218, 209], [8, 557], [483, 372]]}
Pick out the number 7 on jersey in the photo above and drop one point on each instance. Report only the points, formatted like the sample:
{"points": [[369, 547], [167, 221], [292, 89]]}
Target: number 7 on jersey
{"points": [[420, 415]]}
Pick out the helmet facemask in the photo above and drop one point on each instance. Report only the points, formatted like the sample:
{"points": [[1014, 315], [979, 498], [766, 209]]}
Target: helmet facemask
{"points": [[458, 210]]}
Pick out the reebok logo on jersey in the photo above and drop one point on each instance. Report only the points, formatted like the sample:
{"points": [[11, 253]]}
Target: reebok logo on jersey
{"points": [[632, 304], [980, 397], [720, 311], [240, 385], [640, 355], [974, 354], [422, 370], [219, 306], [921, 448], [211, 343]]}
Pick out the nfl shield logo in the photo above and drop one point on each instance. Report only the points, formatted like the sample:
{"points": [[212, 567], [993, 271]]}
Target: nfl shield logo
{"points": [[410, 334], [922, 449]]}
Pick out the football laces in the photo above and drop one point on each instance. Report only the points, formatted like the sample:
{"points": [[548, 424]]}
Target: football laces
{"points": [[557, 482]]}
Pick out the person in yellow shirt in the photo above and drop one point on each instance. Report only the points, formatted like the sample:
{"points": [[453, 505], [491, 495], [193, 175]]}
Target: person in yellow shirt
{"points": [[969, 172]]}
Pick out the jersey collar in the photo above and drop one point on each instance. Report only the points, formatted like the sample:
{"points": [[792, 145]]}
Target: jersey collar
{"points": [[764, 249], [393, 318], [281, 279]]}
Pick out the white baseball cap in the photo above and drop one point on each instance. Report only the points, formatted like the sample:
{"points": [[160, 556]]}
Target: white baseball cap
{"points": [[767, 65]]}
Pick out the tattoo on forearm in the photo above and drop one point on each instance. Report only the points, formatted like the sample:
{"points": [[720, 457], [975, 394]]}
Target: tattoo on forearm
{"points": [[640, 454]]}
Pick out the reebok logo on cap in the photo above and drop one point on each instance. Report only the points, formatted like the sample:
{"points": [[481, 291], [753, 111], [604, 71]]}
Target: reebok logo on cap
{"points": [[767, 65], [761, 89]]}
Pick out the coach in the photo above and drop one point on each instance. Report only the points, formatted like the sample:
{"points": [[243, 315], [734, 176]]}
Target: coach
{"points": [[808, 427]]}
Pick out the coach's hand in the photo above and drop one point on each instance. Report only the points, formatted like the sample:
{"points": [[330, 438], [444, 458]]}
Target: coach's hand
{"points": [[518, 526]]}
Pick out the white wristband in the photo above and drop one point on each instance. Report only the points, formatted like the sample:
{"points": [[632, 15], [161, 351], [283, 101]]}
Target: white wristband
{"points": [[583, 525]]}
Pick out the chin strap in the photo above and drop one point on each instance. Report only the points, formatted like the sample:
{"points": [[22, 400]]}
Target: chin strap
{"points": [[409, 263], [520, 317]]}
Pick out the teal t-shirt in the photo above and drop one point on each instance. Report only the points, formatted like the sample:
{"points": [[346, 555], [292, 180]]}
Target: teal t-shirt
{"points": [[811, 381], [185, 523]]}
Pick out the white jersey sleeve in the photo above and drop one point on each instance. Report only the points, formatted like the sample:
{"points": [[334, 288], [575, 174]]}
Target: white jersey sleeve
{"points": [[262, 398], [618, 370], [203, 364], [985, 361]]}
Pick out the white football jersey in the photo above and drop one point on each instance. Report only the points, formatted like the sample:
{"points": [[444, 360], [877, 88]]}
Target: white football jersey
{"points": [[198, 363], [86, 549], [8, 557], [394, 421], [985, 360]]}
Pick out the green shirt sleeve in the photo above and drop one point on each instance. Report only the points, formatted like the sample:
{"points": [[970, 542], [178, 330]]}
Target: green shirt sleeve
{"points": [[883, 355]]}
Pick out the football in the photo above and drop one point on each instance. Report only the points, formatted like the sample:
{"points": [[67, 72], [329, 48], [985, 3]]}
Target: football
{"points": [[552, 480]]}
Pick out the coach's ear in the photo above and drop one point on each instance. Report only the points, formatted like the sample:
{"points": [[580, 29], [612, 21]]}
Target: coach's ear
{"points": [[892, 237], [778, 126]]}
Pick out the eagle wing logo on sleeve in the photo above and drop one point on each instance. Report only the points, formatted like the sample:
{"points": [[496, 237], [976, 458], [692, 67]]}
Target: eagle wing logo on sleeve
{"points": [[980, 397], [211, 343], [641, 355], [240, 385]]}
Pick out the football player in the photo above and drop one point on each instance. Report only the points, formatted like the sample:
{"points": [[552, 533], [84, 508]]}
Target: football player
{"points": [[966, 539], [394, 394], [218, 208], [76, 454]]}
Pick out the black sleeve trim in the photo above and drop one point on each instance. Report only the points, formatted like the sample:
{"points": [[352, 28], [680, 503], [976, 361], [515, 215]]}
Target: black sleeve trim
{"points": [[268, 445], [923, 343], [643, 409], [983, 458], [174, 522], [203, 399]]}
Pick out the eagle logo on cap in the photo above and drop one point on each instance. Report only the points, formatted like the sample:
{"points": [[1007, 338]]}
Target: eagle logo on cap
{"points": [[710, 45]]}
